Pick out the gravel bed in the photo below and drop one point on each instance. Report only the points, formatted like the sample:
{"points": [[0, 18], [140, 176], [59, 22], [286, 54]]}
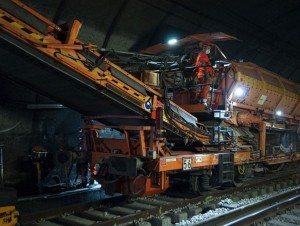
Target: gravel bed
{"points": [[227, 205]]}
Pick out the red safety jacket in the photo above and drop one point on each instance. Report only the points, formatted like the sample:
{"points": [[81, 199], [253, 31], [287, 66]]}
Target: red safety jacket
{"points": [[204, 65]]}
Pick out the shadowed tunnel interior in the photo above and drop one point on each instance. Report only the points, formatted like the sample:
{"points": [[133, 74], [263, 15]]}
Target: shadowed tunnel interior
{"points": [[267, 30]]}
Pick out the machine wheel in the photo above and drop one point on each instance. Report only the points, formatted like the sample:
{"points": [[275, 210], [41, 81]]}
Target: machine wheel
{"points": [[237, 182], [138, 184]]}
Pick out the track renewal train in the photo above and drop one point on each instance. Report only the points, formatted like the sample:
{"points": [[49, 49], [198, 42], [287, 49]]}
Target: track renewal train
{"points": [[189, 118]]}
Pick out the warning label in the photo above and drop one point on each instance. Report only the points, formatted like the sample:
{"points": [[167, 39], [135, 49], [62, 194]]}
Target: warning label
{"points": [[262, 99]]}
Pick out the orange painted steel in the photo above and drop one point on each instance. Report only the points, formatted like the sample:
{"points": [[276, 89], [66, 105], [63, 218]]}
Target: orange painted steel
{"points": [[36, 14], [246, 119], [69, 57], [264, 90], [279, 159], [194, 108], [189, 40]]}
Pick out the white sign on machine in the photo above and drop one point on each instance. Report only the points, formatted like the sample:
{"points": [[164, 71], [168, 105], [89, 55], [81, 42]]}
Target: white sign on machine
{"points": [[262, 99], [186, 163]]}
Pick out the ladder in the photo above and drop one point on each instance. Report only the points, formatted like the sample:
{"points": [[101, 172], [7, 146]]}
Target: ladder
{"points": [[226, 168]]}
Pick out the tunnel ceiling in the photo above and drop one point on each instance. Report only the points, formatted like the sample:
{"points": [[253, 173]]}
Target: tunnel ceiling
{"points": [[268, 30]]}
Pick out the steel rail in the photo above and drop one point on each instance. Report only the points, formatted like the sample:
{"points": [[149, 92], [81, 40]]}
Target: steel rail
{"points": [[161, 209], [49, 214], [54, 212], [246, 215]]}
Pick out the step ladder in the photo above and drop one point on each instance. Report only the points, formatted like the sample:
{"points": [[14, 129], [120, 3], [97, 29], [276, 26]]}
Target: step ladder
{"points": [[226, 168]]}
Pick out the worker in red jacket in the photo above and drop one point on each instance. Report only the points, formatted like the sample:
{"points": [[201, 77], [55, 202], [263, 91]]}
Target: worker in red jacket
{"points": [[204, 72]]}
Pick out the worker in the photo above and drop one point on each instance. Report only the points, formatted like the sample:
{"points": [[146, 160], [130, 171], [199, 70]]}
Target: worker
{"points": [[38, 156], [204, 73]]}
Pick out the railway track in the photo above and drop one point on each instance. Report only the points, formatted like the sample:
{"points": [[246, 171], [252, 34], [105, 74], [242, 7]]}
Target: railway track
{"points": [[253, 210], [162, 210], [289, 217]]}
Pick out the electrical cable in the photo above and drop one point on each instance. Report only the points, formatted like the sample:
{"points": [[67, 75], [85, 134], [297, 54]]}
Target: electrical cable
{"points": [[171, 115]]}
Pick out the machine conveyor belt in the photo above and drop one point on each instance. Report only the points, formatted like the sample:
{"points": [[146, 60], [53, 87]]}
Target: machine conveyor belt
{"points": [[100, 89], [42, 74]]}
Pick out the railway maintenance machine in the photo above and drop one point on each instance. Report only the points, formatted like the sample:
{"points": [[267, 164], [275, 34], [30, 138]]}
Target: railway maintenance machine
{"points": [[192, 118]]}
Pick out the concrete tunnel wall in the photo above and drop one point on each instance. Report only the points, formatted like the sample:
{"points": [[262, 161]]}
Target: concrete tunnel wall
{"points": [[22, 128]]}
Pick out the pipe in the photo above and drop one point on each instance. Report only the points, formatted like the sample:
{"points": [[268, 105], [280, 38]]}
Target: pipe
{"points": [[10, 128], [1, 164]]}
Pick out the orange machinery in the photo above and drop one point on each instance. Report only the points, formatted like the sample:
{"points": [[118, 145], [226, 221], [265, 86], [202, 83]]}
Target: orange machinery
{"points": [[265, 108], [160, 137], [265, 100]]}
